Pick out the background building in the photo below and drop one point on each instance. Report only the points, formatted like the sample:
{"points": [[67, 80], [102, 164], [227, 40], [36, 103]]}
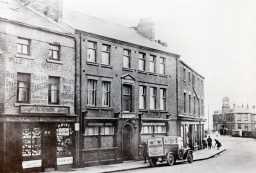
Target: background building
{"points": [[37, 77], [238, 120], [190, 118]]}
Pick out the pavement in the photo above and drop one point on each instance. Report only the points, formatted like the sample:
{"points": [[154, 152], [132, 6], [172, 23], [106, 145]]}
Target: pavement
{"points": [[134, 165]]}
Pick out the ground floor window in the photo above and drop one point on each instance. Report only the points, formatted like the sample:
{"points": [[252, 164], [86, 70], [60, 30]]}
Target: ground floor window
{"points": [[31, 142], [153, 128], [100, 135], [64, 140]]}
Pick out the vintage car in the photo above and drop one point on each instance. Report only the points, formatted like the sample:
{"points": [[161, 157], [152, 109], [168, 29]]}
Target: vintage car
{"points": [[168, 148]]}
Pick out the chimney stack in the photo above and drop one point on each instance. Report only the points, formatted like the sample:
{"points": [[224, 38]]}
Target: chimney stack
{"points": [[146, 28], [50, 8]]}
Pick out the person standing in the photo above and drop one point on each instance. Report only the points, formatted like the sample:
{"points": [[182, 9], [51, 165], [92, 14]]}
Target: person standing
{"points": [[217, 143], [209, 141]]}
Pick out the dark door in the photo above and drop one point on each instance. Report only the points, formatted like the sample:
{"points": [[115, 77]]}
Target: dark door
{"points": [[49, 147], [127, 142]]}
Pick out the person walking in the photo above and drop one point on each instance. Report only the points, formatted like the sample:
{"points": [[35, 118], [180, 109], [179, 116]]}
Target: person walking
{"points": [[217, 144], [209, 142], [145, 152]]}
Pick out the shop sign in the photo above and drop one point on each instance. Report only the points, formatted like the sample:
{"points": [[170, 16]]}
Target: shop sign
{"points": [[43, 109], [153, 124], [155, 147], [128, 116], [63, 131], [65, 161], [31, 164]]}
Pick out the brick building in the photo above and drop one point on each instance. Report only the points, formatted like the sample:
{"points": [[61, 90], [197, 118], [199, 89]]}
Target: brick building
{"points": [[190, 117], [37, 64], [127, 85]]}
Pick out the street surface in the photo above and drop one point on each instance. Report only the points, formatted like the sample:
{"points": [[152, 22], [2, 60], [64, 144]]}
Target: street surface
{"points": [[240, 157]]}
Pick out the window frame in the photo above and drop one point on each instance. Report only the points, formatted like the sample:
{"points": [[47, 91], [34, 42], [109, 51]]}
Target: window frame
{"points": [[162, 64], [94, 49], [28, 46], [124, 96], [128, 56], [106, 93], [163, 99], [142, 96], [142, 59], [107, 52], [53, 81], [52, 50], [152, 63], [24, 78], [92, 91], [153, 97]]}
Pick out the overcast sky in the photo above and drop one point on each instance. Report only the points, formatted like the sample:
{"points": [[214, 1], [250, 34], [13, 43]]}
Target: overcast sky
{"points": [[216, 37]]}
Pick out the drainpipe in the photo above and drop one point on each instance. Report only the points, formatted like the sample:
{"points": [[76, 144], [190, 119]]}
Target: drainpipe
{"points": [[177, 93]]}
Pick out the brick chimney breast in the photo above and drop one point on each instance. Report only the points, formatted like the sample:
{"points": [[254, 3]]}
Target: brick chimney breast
{"points": [[146, 28]]}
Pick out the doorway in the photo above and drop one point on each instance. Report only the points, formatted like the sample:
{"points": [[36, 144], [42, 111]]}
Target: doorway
{"points": [[49, 147], [127, 142]]}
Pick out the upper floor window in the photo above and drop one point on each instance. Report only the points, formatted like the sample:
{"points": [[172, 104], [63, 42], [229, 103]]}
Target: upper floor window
{"points": [[162, 65], [189, 104], [54, 52], [162, 99], [91, 51], [105, 54], [153, 95], [106, 93], [189, 77], [152, 63], [142, 64], [142, 97], [184, 75], [23, 46], [23, 87], [54, 90], [185, 102], [91, 92], [127, 98], [126, 58]]}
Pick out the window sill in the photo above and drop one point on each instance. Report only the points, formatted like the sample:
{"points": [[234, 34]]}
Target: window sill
{"points": [[128, 69], [92, 63], [24, 56], [142, 72], [17, 104], [53, 61], [98, 108], [106, 66]]}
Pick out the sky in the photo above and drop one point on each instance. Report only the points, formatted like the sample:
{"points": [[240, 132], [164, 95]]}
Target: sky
{"points": [[217, 38]]}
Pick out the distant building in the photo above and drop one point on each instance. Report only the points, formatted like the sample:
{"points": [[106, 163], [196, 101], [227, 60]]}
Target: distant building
{"points": [[190, 89], [238, 120]]}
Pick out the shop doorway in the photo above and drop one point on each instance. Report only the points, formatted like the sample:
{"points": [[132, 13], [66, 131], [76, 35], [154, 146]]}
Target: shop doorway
{"points": [[127, 142], [49, 147]]}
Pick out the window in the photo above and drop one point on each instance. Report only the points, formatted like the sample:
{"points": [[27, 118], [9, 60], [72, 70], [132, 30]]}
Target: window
{"points": [[127, 98], [153, 129], [31, 142], [189, 77], [91, 92], [23, 46], [23, 87], [99, 136], [127, 58], [54, 86], [105, 54], [64, 140], [194, 101], [106, 94], [152, 63], [239, 118], [189, 104], [185, 102], [91, 51], [162, 99], [54, 52], [162, 65], [142, 97], [199, 107], [142, 63], [152, 91], [184, 75], [239, 126]]}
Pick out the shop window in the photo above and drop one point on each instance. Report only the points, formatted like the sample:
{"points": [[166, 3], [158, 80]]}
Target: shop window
{"points": [[23, 46], [162, 65], [99, 136], [127, 58], [91, 51], [31, 142], [153, 95], [91, 92], [142, 63], [162, 99], [152, 63], [106, 93], [142, 97], [53, 93], [23, 87], [64, 140], [105, 54], [54, 52]]}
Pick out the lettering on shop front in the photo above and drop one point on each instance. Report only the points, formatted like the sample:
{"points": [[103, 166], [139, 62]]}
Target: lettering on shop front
{"points": [[44, 109]]}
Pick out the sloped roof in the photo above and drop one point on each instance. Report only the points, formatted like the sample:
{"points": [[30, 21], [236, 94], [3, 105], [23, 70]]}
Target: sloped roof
{"points": [[15, 11], [89, 24]]}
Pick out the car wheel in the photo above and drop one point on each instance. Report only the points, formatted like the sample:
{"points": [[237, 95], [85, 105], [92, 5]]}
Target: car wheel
{"points": [[170, 159], [190, 157]]}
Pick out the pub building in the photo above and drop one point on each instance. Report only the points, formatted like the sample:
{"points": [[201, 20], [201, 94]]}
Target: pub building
{"points": [[37, 80], [126, 89]]}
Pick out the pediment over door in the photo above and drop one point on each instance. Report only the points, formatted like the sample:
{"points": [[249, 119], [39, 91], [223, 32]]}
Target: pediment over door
{"points": [[128, 78]]}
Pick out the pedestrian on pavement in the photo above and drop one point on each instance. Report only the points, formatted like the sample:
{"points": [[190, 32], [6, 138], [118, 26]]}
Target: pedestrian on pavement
{"points": [[204, 143], [209, 141], [217, 143], [145, 152]]}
